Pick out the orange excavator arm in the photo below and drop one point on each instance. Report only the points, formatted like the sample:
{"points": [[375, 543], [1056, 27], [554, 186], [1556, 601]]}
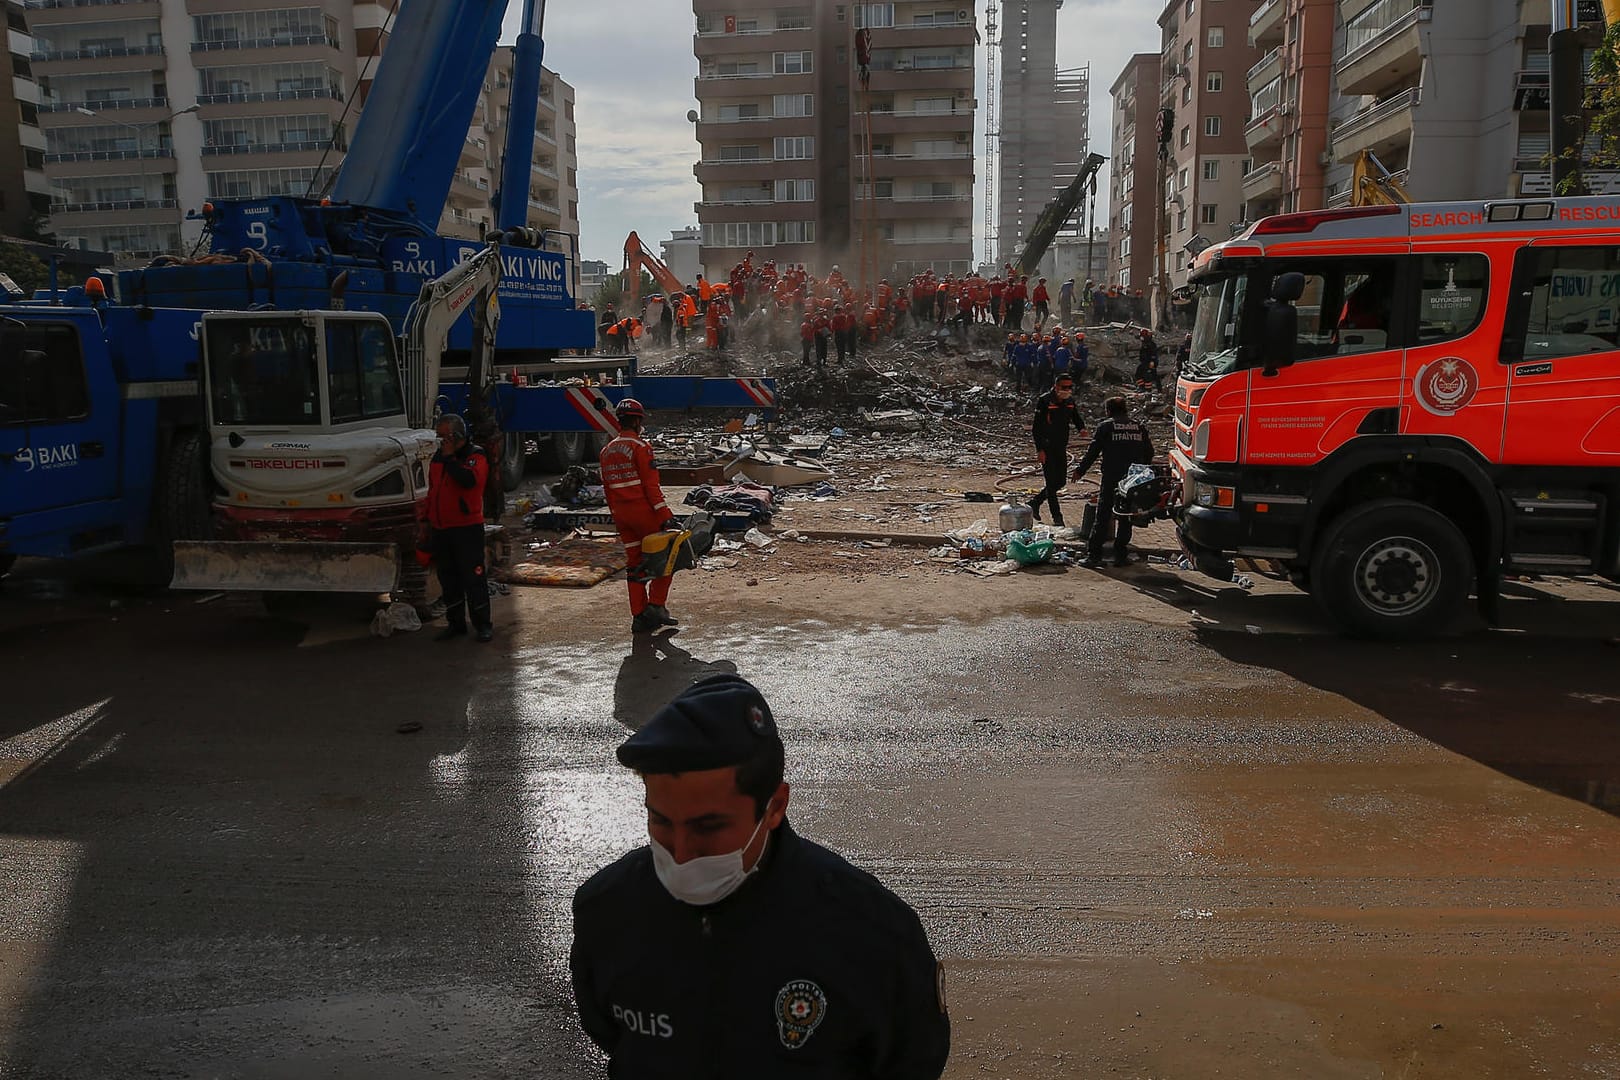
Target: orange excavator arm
{"points": [[636, 259]]}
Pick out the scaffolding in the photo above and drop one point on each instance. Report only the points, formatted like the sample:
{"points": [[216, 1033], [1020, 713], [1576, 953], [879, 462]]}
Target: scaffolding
{"points": [[992, 130]]}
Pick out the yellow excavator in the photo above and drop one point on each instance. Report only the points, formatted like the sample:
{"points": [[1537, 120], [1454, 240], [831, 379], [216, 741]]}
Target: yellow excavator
{"points": [[1373, 185]]}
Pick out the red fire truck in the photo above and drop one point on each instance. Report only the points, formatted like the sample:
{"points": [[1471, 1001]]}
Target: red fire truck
{"points": [[1400, 404]]}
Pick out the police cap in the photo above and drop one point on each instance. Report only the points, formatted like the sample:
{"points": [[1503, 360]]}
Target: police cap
{"points": [[717, 722]]}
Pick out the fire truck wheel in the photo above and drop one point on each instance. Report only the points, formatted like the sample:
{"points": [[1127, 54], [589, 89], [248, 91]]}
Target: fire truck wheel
{"points": [[1392, 568], [514, 460]]}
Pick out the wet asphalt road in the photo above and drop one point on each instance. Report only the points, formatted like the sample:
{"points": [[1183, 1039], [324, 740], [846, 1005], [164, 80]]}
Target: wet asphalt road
{"points": [[1141, 846]]}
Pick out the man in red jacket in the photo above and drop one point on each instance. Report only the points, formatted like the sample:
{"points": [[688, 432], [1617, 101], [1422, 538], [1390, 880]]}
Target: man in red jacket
{"points": [[1043, 304], [636, 501], [455, 512]]}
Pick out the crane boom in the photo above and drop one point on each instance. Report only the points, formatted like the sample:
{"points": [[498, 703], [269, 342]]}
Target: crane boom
{"points": [[471, 284], [1057, 214]]}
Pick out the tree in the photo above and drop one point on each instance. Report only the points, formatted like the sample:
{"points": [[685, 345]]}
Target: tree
{"points": [[23, 268], [1601, 149]]}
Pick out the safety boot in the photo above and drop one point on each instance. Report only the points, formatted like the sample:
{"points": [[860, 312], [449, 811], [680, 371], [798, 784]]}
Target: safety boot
{"points": [[645, 623], [664, 617]]}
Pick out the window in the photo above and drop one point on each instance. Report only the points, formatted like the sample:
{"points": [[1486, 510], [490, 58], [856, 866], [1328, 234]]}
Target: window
{"points": [[1181, 222], [362, 373], [1125, 248], [1451, 296], [783, 105], [1187, 53], [1182, 180], [1348, 304], [1212, 125], [1186, 136], [1217, 37], [796, 232], [795, 191], [1186, 93], [1214, 82], [793, 20], [263, 372], [739, 153], [1189, 9], [739, 67], [795, 148], [737, 112], [1571, 307], [1212, 168], [1209, 214], [874, 14], [43, 378], [791, 63]]}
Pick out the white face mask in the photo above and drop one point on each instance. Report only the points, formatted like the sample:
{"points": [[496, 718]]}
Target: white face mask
{"points": [[708, 879]]}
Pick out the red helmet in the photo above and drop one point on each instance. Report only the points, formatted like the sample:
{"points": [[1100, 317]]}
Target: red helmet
{"points": [[629, 409]]}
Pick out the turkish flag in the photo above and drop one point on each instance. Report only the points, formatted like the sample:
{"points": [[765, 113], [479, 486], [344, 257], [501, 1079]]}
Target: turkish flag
{"points": [[731, 24]]}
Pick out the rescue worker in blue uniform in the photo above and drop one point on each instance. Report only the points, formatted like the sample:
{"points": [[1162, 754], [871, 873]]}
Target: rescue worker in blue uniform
{"points": [[732, 948], [1121, 442]]}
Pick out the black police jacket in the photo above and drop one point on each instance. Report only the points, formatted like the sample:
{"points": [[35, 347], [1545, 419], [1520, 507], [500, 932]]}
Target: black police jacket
{"points": [[810, 969], [1120, 444], [1053, 418]]}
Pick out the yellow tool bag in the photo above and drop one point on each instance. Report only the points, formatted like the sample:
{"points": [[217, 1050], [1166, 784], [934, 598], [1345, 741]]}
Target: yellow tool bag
{"points": [[663, 553]]}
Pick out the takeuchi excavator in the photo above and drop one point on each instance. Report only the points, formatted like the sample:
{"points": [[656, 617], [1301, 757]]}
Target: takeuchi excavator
{"points": [[319, 451], [1371, 184]]}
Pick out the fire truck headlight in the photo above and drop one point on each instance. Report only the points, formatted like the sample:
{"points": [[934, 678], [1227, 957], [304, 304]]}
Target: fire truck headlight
{"points": [[1201, 441], [1223, 498]]}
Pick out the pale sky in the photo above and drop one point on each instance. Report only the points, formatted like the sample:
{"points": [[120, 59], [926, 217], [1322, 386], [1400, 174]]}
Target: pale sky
{"points": [[631, 64]]}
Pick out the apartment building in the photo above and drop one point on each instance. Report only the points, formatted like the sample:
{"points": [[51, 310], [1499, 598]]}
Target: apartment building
{"points": [[152, 107], [1205, 56], [1133, 203], [25, 194], [801, 163], [1045, 114], [683, 252], [1451, 97], [553, 193], [1290, 90]]}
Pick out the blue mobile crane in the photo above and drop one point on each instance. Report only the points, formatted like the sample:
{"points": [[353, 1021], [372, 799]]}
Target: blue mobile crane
{"points": [[113, 433]]}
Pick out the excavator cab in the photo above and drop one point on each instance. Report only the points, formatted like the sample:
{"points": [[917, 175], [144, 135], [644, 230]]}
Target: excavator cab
{"points": [[317, 471]]}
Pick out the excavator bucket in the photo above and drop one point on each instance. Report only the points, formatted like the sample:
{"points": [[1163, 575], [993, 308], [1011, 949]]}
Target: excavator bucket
{"points": [[290, 566]]}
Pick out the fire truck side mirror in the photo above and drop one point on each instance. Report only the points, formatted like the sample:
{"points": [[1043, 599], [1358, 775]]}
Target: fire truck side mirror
{"points": [[1280, 337]]}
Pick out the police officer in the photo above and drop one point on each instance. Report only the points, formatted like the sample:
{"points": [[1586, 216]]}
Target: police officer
{"points": [[455, 512], [731, 947], [1121, 442], [1055, 416]]}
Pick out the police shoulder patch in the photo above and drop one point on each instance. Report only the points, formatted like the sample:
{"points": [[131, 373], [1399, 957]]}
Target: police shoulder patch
{"points": [[800, 1007]]}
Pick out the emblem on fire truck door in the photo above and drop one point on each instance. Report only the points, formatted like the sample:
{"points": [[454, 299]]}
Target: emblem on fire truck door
{"points": [[1444, 386]]}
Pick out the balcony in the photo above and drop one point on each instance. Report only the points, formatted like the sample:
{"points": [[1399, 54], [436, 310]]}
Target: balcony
{"points": [[1268, 69], [127, 204], [270, 95], [542, 205], [888, 80], [97, 52], [272, 147], [1263, 182], [275, 41], [1384, 128], [103, 106], [929, 208], [1267, 109], [914, 122], [1266, 24], [150, 153], [1383, 47]]}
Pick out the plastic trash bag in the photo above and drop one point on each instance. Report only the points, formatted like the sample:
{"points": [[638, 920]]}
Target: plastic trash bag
{"points": [[396, 616], [1030, 552]]}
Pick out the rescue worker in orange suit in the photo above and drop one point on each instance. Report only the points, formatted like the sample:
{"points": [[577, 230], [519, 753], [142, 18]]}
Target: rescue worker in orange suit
{"points": [[636, 501], [455, 513]]}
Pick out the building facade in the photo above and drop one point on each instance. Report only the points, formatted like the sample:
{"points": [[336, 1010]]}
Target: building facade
{"points": [[1045, 114], [1133, 202], [1291, 94], [1482, 133], [1205, 56], [800, 161], [152, 107], [553, 193], [682, 253], [25, 193]]}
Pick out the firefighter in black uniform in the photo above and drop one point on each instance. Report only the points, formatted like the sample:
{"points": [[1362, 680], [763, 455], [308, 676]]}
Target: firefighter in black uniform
{"points": [[731, 947], [1121, 442], [1055, 416]]}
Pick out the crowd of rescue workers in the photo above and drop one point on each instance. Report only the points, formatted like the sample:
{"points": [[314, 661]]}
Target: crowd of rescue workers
{"points": [[782, 308]]}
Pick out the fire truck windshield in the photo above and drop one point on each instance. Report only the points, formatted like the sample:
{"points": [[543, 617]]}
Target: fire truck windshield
{"points": [[263, 372], [1217, 329]]}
